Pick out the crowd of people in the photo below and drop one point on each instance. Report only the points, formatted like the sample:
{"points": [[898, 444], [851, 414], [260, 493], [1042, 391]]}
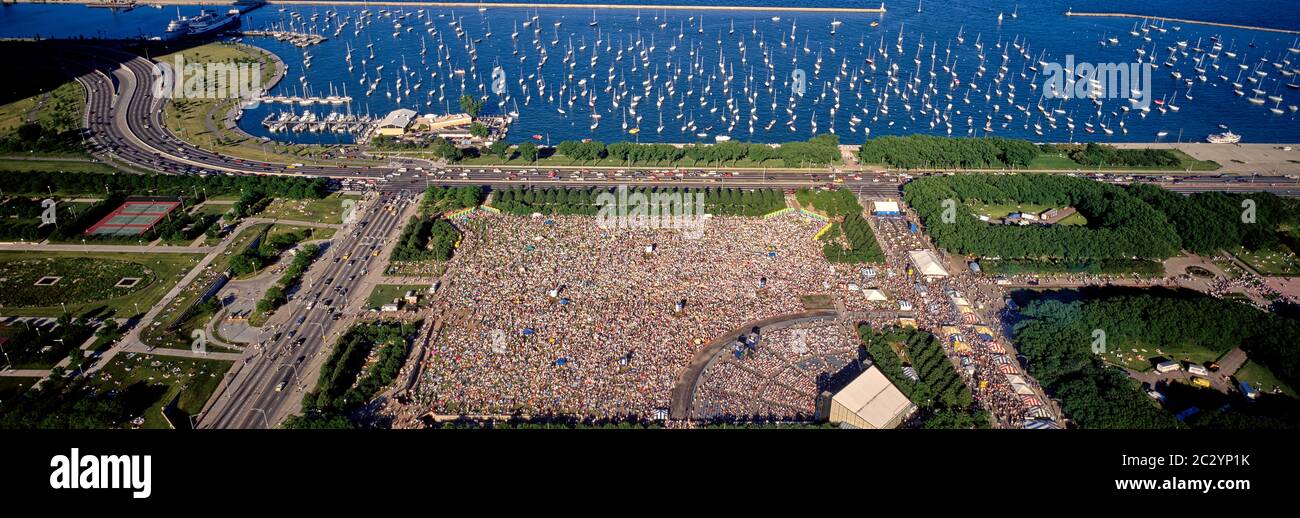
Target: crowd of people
{"points": [[560, 316], [777, 374], [984, 362]]}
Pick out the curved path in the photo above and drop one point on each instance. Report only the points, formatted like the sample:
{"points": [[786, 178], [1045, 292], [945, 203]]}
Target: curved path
{"points": [[683, 393]]}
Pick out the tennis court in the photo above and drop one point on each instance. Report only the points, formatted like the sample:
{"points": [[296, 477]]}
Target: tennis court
{"points": [[132, 218]]}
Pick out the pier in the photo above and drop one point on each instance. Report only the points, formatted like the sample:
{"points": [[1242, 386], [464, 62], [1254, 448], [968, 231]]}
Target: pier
{"points": [[310, 122], [306, 100], [1181, 20]]}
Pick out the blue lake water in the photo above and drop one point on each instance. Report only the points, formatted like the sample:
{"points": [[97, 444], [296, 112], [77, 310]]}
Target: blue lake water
{"points": [[723, 53]]}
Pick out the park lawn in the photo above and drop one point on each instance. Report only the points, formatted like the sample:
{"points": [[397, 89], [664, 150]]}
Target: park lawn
{"points": [[193, 379], [1141, 360], [60, 166], [1229, 268], [241, 241], [325, 210], [385, 293], [69, 96], [12, 386], [429, 268], [322, 234], [1051, 161], [1279, 261], [1261, 378], [168, 269], [216, 209], [998, 211]]}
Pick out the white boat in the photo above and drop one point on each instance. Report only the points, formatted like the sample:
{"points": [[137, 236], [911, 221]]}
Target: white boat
{"points": [[1226, 137]]}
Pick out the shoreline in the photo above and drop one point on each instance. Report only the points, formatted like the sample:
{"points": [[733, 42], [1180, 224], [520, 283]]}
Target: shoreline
{"points": [[506, 5], [1180, 20]]}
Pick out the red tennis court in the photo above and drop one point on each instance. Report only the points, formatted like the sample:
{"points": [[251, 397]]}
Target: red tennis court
{"points": [[132, 218]]}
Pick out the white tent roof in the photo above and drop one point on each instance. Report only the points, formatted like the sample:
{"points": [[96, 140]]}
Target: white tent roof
{"points": [[873, 398], [927, 263], [875, 294], [885, 206], [399, 118]]}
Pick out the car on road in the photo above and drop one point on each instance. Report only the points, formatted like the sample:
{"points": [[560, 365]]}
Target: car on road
{"points": [[280, 386]]}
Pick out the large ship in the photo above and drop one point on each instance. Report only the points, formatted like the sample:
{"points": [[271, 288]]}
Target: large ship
{"points": [[206, 23], [1226, 137]]}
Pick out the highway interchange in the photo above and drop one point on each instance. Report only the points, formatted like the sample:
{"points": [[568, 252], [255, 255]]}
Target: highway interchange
{"points": [[126, 127]]}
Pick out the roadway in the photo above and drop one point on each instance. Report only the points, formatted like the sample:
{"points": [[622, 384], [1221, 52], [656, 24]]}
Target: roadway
{"points": [[276, 370]]}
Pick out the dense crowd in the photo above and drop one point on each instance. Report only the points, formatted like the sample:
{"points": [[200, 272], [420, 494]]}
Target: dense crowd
{"points": [[777, 374], [984, 364], [557, 315]]}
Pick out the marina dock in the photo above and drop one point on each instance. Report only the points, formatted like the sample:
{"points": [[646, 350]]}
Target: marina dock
{"points": [[293, 38], [1181, 20]]}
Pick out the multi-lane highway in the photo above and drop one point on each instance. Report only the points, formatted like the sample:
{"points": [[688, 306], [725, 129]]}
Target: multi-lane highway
{"points": [[276, 369]]}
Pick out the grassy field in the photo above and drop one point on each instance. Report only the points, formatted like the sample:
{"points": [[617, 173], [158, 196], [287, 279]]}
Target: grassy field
{"points": [[1046, 161], [12, 386], [1261, 378], [998, 211], [326, 210], [1140, 359], [165, 377], [1280, 261], [71, 166], [385, 293], [165, 271], [1229, 268], [58, 110]]}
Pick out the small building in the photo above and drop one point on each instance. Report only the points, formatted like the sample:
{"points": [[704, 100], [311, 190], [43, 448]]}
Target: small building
{"points": [[1198, 370], [411, 297], [395, 305], [395, 123]]}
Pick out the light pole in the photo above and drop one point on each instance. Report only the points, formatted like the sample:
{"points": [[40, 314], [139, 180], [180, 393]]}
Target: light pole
{"points": [[265, 420]]}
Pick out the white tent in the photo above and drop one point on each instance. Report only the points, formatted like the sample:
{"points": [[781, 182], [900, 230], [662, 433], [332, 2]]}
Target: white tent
{"points": [[927, 263], [870, 401], [876, 295]]}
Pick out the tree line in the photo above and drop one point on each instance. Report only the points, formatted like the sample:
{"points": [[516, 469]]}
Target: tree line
{"points": [[1102, 155], [1056, 335], [921, 151], [1120, 225], [277, 295], [345, 383], [1211, 221], [38, 183], [936, 385], [426, 238]]}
